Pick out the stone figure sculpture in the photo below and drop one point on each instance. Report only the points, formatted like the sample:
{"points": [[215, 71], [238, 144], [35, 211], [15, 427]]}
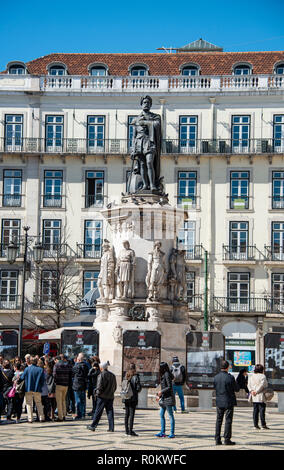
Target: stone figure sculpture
{"points": [[106, 276], [177, 275], [146, 149], [125, 270], [156, 272]]}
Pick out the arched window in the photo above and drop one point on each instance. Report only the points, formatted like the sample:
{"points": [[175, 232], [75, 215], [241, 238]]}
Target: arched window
{"points": [[279, 69], [190, 70], [57, 70], [242, 69], [98, 71], [17, 69], [138, 71]]}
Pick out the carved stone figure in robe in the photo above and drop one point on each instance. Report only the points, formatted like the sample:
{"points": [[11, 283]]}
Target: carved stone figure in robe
{"points": [[156, 272], [106, 276], [147, 147], [181, 270], [172, 276], [125, 270]]}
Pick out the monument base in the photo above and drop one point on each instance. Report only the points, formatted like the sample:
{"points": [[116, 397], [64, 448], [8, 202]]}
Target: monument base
{"points": [[111, 341]]}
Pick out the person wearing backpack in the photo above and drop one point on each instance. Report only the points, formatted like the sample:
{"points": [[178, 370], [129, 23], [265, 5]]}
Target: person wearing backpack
{"points": [[130, 388], [178, 372]]}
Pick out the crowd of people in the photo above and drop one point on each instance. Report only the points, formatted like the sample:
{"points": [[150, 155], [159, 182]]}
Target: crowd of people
{"points": [[51, 388]]}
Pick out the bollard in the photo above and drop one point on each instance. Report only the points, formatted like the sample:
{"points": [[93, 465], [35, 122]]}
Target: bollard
{"points": [[205, 399], [143, 399], [280, 402]]}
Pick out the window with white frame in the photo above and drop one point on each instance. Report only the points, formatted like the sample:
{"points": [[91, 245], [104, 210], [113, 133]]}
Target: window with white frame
{"points": [[94, 195], [138, 71], [17, 69], [239, 190], [187, 189], [190, 284], [242, 69], [49, 288], [98, 71], [130, 132], [278, 133], [90, 280], [186, 238], [238, 291], [238, 235], [188, 134], [277, 238], [96, 133], [58, 70], [10, 233], [54, 133], [278, 291], [51, 237], [12, 188], [190, 70], [240, 134], [93, 238], [279, 69], [53, 181], [8, 289], [277, 189], [13, 132]]}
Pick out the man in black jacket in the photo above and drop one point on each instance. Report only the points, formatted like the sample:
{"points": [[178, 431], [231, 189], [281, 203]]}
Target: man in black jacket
{"points": [[226, 387], [62, 373], [80, 382], [106, 386]]}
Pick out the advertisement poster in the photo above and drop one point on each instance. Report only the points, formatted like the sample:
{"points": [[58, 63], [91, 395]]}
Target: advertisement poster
{"points": [[242, 358], [8, 343], [274, 360], [142, 348], [204, 353], [75, 341]]}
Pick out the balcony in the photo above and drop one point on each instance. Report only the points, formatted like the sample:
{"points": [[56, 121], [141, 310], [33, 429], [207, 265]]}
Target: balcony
{"points": [[241, 254], [195, 302], [4, 246], [193, 254], [129, 84], [175, 147], [274, 255], [51, 201], [87, 251], [56, 251], [249, 305], [9, 302]]}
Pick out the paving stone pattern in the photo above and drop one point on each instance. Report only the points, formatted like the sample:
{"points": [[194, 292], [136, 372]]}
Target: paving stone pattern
{"points": [[194, 431]]}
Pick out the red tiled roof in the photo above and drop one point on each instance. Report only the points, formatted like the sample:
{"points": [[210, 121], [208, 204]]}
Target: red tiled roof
{"points": [[211, 63]]}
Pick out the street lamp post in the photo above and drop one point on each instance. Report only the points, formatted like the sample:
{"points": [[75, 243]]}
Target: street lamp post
{"points": [[12, 251]]}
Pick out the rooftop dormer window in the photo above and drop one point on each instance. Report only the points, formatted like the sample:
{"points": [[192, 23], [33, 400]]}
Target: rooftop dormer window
{"points": [[279, 69], [98, 71], [190, 70], [242, 69], [57, 70], [17, 69], [138, 71]]}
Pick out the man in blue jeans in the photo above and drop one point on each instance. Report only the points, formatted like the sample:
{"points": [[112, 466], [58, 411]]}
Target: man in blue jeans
{"points": [[178, 372], [80, 379]]}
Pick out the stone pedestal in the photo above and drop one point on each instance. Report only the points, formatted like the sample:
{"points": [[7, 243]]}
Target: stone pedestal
{"points": [[119, 310], [102, 312]]}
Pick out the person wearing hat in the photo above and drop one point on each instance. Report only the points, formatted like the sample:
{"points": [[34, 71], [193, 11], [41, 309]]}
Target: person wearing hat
{"points": [[106, 386], [178, 372]]}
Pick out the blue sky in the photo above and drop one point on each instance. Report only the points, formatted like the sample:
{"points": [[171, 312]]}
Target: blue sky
{"points": [[32, 29]]}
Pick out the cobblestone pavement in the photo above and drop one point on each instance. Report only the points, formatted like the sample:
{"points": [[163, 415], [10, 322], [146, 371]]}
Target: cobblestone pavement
{"points": [[194, 431]]}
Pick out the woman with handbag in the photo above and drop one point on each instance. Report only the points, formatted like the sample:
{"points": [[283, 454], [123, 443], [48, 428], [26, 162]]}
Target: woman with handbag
{"points": [[131, 403], [19, 395], [8, 391], [166, 400], [257, 384]]}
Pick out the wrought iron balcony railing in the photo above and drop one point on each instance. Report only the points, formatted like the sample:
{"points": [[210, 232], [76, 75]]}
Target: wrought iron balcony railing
{"points": [[240, 253], [74, 146], [274, 252], [265, 304], [195, 302], [9, 302], [194, 252], [85, 250]]}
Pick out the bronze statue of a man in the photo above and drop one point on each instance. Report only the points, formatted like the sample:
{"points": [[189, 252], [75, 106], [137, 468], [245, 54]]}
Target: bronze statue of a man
{"points": [[147, 144]]}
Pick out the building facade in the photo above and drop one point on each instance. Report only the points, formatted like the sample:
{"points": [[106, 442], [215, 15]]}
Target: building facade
{"points": [[65, 143]]}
